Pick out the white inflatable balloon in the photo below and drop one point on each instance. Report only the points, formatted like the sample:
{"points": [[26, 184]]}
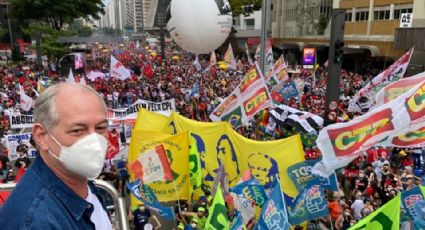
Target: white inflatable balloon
{"points": [[199, 26]]}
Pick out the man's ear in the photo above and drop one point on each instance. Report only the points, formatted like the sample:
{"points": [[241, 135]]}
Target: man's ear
{"points": [[40, 136]]}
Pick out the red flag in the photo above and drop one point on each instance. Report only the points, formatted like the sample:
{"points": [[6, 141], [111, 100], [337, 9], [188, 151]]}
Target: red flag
{"points": [[20, 173], [148, 71], [113, 146], [152, 166], [4, 196]]}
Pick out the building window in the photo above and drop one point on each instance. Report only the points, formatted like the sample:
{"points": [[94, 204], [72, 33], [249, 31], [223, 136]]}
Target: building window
{"points": [[250, 23], [381, 15], [348, 17], [398, 12], [362, 16]]}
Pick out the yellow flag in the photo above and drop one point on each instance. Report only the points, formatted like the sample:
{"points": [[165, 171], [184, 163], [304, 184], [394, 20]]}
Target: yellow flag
{"points": [[147, 120], [177, 149], [217, 143]]}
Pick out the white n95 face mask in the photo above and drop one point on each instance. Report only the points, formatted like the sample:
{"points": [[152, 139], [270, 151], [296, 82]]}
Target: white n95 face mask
{"points": [[86, 156]]}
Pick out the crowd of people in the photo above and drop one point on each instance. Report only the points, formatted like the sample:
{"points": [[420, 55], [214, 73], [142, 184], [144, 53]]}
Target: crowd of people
{"points": [[366, 184]]}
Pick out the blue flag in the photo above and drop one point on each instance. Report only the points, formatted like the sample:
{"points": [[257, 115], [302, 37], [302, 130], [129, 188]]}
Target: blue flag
{"points": [[409, 199], [273, 213], [147, 196], [237, 223], [289, 90], [195, 89], [309, 204], [301, 175], [251, 190]]}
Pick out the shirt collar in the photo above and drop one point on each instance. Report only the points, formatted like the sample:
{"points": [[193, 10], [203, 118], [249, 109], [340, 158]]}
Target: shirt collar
{"points": [[74, 203]]}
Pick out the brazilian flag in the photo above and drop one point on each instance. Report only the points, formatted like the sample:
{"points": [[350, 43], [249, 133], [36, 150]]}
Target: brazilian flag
{"points": [[386, 217], [217, 218], [234, 118]]}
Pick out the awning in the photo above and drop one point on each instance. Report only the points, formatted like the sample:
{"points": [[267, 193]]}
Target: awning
{"points": [[253, 42]]}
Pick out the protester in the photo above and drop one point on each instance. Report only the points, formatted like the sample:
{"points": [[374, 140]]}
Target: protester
{"points": [[372, 179], [57, 186]]}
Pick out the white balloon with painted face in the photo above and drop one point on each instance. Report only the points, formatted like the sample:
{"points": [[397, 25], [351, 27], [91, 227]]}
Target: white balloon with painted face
{"points": [[199, 26]]}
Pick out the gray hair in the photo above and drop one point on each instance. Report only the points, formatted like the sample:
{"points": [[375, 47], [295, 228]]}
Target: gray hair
{"points": [[45, 106]]}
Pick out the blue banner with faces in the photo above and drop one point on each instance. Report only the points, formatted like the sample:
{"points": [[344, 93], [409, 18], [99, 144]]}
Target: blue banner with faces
{"points": [[145, 194], [251, 190], [301, 175], [309, 204]]}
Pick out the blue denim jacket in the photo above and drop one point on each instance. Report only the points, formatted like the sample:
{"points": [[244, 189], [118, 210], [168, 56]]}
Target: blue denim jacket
{"points": [[42, 201]]}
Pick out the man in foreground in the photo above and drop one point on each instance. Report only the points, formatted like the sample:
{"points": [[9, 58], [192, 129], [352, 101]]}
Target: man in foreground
{"points": [[70, 131]]}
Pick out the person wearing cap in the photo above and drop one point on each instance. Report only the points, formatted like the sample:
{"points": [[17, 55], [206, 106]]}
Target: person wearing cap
{"points": [[199, 217], [202, 202]]}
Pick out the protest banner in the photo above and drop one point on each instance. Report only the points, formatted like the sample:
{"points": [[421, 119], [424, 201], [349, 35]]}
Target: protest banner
{"points": [[251, 96], [301, 175], [144, 193], [364, 99], [19, 121], [310, 204], [273, 212], [217, 143], [397, 88], [12, 142], [165, 107], [177, 153], [342, 142], [409, 199]]}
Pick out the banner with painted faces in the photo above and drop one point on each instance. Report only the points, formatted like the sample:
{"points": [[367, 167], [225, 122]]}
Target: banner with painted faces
{"points": [[218, 144], [391, 122]]}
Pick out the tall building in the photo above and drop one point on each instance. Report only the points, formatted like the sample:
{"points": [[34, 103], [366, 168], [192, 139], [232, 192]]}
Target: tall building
{"points": [[371, 31], [119, 14]]}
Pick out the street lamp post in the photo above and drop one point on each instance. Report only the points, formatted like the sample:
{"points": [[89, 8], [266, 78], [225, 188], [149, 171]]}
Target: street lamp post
{"points": [[266, 4]]}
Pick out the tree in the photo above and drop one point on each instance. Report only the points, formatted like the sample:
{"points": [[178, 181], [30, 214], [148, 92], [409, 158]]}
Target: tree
{"points": [[239, 5], [322, 24], [85, 31], [55, 13], [50, 45]]}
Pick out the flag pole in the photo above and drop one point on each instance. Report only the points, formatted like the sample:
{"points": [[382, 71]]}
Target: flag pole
{"points": [[177, 194], [330, 219]]}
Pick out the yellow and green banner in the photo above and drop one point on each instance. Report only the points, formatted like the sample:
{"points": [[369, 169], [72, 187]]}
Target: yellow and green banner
{"points": [[217, 143], [177, 151]]}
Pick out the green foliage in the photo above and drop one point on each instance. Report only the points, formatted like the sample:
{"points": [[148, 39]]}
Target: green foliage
{"points": [[85, 31], [237, 5], [49, 38], [55, 13], [109, 31], [322, 24]]}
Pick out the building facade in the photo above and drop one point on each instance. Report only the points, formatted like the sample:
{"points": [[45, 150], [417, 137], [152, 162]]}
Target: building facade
{"points": [[371, 29]]}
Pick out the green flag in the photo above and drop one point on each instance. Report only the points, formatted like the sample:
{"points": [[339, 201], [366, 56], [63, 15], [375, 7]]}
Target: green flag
{"points": [[217, 218], [386, 217], [195, 171]]}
